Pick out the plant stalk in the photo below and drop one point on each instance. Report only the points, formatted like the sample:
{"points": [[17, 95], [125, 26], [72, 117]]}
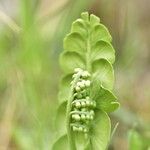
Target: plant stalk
{"points": [[68, 120]]}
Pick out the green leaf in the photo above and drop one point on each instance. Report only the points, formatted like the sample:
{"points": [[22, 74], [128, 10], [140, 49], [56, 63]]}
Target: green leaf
{"points": [[85, 16], [103, 49], [71, 60], [94, 20], [81, 142], [100, 131], [80, 27], [105, 99], [61, 143], [100, 32], [135, 140], [103, 73], [74, 42], [64, 88], [60, 121], [84, 30], [88, 47]]}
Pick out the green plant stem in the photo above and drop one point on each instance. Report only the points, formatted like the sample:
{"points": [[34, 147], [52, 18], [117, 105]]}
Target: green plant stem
{"points": [[88, 63], [69, 108], [69, 132]]}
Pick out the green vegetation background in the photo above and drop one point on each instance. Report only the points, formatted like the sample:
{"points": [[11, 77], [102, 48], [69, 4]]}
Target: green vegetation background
{"points": [[31, 39]]}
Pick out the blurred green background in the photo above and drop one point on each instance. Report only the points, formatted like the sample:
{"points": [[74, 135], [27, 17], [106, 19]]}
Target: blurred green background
{"points": [[31, 39]]}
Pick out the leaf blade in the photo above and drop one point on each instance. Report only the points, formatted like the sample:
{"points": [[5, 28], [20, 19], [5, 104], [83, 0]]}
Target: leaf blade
{"points": [[60, 121], [103, 73], [70, 60], [61, 143], [64, 88], [105, 99], [100, 32], [101, 131], [74, 42], [103, 49]]}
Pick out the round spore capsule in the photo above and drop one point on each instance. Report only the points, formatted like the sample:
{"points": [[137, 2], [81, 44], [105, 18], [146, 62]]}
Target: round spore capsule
{"points": [[77, 117], [92, 112], [88, 103], [82, 85], [77, 104], [76, 70], [80, 129], [88, 117], [85, 74], [77, 88], [91, 117], [83, 104], [74, 128], [87, 97], [91, 103], [87, 83], [74, 76], [85, 130], [83, 117]]}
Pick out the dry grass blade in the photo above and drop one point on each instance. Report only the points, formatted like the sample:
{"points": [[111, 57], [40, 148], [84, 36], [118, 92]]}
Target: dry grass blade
{"points": [[9, 22]]}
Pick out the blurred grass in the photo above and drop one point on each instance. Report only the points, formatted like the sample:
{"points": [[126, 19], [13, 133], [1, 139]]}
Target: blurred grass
{"points": [[30, 42]]}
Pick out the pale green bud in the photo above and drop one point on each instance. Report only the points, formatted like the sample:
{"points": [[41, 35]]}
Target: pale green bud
{"points": [[85, 74], [76, 70], [91, 117], [92, 112], [87, 97], [77, 117], [77, 88], [80, 129], [74, 128], [91, 103], [85, 130], [83, 104], [88, 103], [88, 117], [74, 76], [83, 117], [73, 116], [87, 83], [82, 85], [78, 83], [77, 104]]}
